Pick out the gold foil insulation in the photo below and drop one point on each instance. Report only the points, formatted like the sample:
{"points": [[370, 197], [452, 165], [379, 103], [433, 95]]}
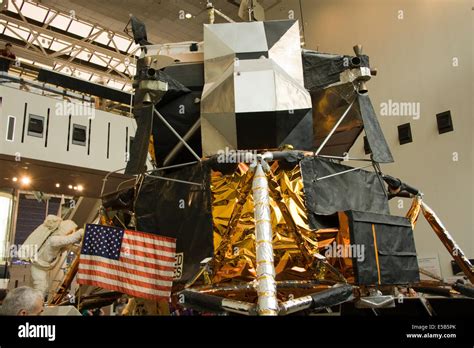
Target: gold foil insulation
{"points": [[295, 246], [414, 211], [448, 241], [294, 243]]}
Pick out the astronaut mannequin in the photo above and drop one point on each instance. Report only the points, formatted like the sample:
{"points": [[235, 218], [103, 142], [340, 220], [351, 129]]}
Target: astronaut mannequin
{"points": [[52, 237]]}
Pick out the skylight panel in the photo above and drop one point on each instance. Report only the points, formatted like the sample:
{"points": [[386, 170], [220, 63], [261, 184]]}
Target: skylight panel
{"points": [[122, 43], [97, 61], [103, 38], [15, 32], [79, 28], [11, 6], [33, 11], [115, 84], [61, 22], [58, 45], [84, 55]]}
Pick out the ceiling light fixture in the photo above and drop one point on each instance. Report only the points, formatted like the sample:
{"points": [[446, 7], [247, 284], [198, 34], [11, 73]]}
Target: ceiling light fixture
{"points": [[58, 185], [15, 179], [25, 180], [80, 187], [189, 15]]}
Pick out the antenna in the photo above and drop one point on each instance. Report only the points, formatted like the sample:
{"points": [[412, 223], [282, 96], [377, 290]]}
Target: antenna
{"points": [[212, 12], [246, 10], [251, 10]]}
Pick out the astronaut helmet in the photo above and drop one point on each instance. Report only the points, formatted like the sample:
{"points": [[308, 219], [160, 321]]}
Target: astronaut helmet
{"points": [[52, 222], [65, 228]]}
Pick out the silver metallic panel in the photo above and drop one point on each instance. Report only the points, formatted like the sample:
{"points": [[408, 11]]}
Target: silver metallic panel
{"points": [[238, 37], [247, 86], [287, 53], [218, 135], [218, 96]]}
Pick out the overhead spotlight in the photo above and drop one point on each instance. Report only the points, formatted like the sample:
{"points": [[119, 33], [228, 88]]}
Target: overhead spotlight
{"points": [[15, 179], [70, 187], [75, 188], [25, 180], [58, 185], [80, 188], [189, 16]]}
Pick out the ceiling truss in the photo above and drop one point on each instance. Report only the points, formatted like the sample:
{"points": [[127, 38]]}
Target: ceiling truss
{"points": [[93, 53]]}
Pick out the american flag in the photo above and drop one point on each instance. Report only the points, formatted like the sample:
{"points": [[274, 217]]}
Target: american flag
{"points": [[135, 263]]}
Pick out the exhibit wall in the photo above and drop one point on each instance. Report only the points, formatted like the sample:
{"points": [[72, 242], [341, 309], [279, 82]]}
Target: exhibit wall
{"points": [[423, 51]]}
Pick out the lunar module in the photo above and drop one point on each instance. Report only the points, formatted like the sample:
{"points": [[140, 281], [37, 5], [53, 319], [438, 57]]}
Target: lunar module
{"points": [[249, 136]]}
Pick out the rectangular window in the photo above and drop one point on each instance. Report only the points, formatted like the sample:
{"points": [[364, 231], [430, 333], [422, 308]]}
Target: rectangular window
{"points": [[36, 126], [11, 128], [79, 134]]}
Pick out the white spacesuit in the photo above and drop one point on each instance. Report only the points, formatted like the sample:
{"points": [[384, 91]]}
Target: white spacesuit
{"points": [[51, 239]]}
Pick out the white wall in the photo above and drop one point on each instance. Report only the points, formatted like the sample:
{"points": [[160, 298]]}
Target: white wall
{"points": [[414, 58], [56, 149]]}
